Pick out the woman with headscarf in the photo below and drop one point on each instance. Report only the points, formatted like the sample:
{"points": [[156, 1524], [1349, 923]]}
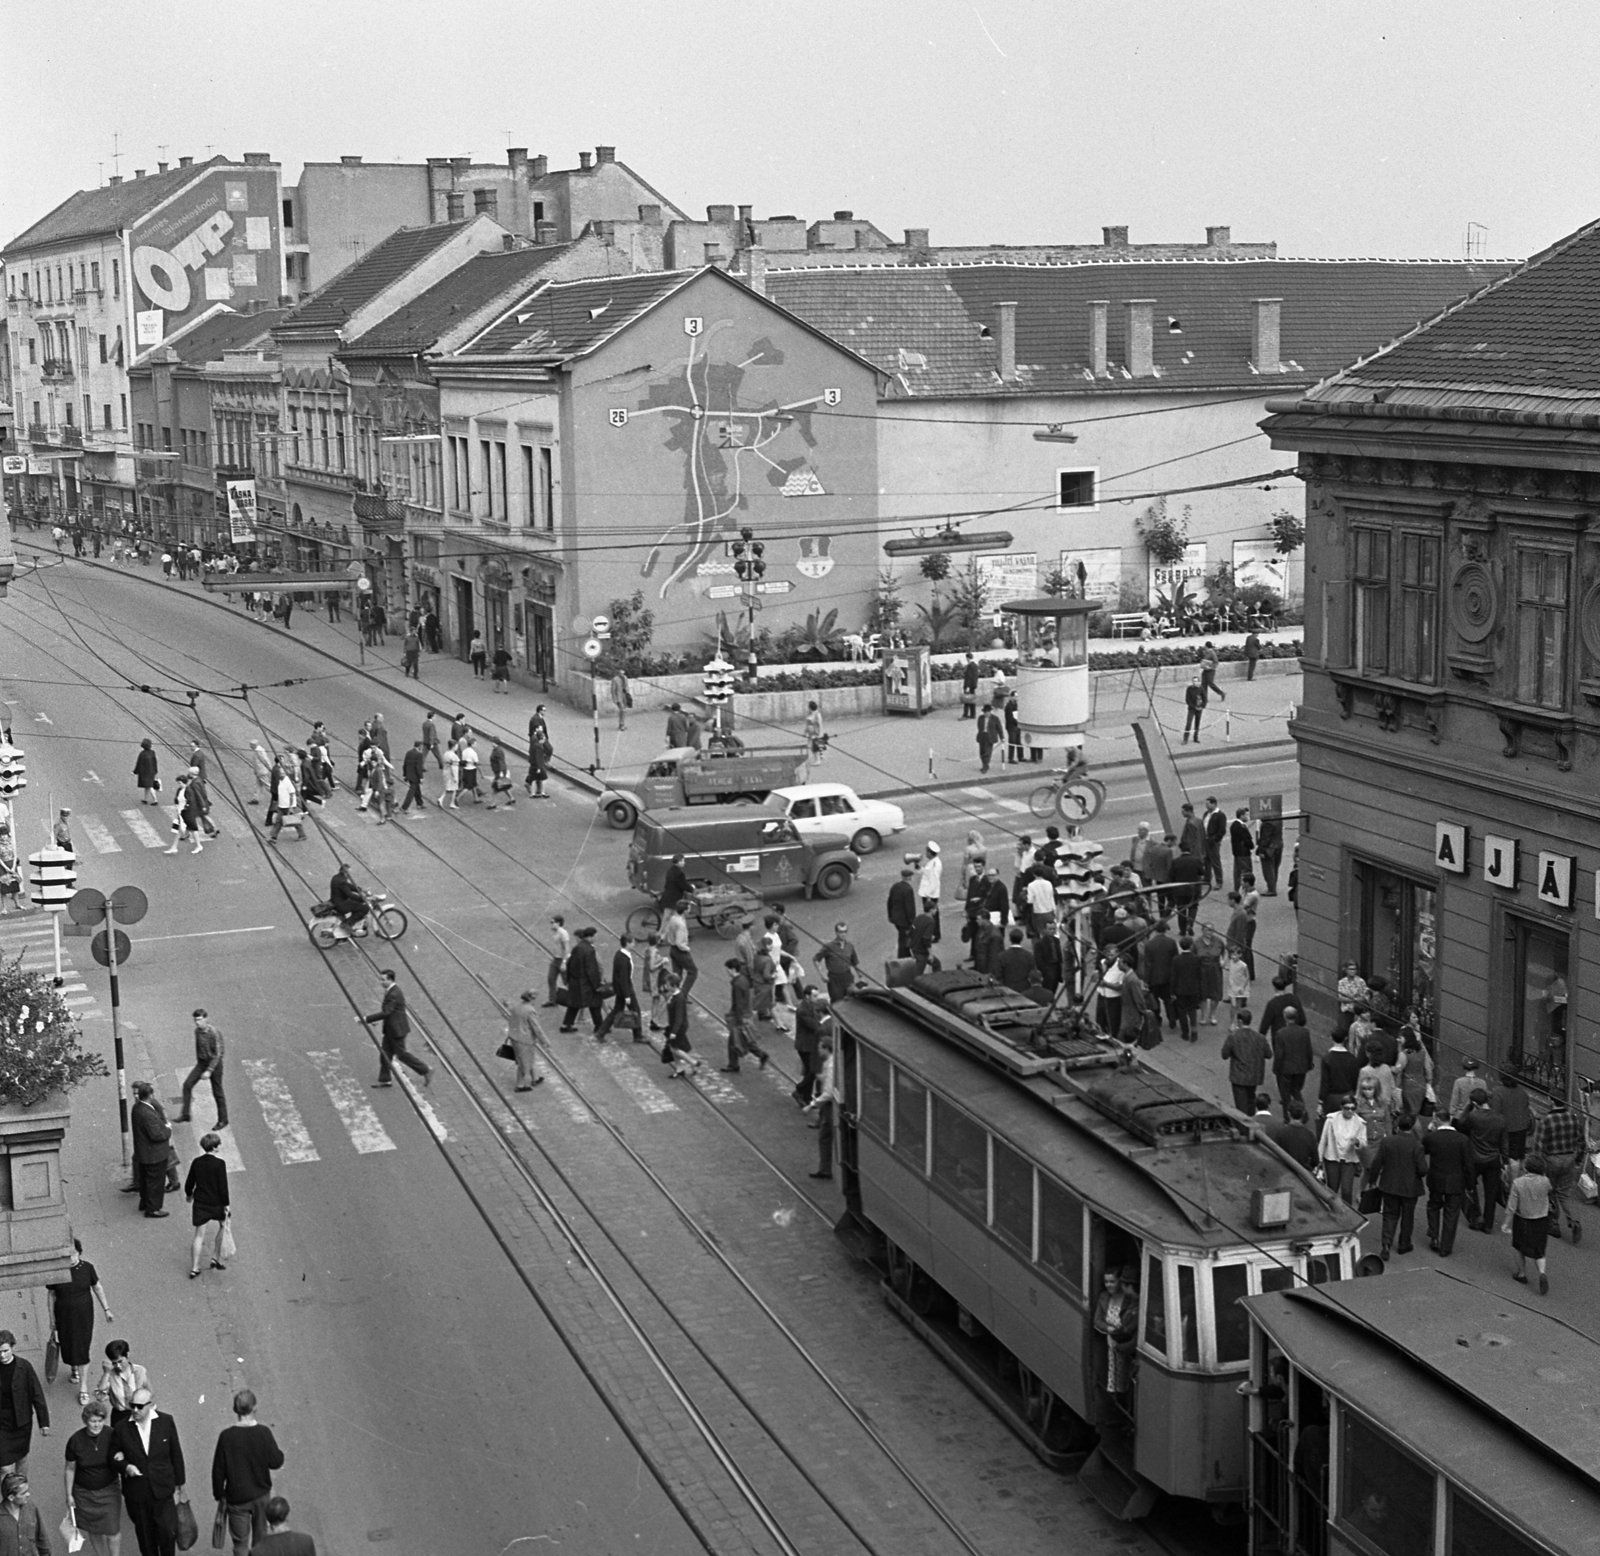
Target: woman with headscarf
{"points": [[144, 773]]}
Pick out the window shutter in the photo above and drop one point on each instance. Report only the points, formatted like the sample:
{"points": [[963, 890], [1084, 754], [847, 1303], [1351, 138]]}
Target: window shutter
{"points": [[1336, 636]]}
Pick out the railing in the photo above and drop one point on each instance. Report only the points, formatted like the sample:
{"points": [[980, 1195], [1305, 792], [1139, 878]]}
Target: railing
{"points": [[38, 432], [371, 509], [55, 368], [72, 436]]}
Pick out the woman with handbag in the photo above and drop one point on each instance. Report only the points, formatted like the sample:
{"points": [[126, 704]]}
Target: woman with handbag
{"points": [[144, 773], [73, 1316], [186, 816], [1413, 1073], [207, 1191], [94, 1491]]}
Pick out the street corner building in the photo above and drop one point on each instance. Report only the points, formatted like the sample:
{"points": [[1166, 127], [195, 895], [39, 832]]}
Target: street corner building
{"points": [[606, 436], [1450, 729]]}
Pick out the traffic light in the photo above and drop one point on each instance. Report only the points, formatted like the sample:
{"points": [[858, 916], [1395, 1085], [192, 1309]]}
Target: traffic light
{"points": [[13, 772], [717, 681], [748, 554]]}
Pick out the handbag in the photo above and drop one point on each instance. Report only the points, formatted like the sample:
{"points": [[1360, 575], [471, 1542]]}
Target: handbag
{"points": [[229, 1246], [71, 1533], [505, 1050], [1430, 1101], [219, 1527], [52, 1358], [188, 1529], [1371, 1202], [606, 992]]}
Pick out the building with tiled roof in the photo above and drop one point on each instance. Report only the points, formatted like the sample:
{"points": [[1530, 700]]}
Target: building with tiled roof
{"points": [[1072, 406], [112, 272], [609, 436], [1450, 725]]}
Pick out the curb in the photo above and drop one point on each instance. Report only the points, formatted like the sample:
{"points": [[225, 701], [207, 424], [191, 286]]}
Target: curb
{"points": [[577, 778]]}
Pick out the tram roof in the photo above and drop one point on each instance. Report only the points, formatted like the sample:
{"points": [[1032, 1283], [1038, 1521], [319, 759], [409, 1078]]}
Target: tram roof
{"points": [[1501, 1396], [1186, 1194]]}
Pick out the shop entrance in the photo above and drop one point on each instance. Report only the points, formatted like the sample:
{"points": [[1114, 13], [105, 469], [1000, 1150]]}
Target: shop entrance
{"points": [[495, 609], [542, 622], [1534, 1042], [466, 622], [1397, 939]]}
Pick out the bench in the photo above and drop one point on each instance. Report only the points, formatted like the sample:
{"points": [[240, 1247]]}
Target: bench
{"points": [[1129, 623]]}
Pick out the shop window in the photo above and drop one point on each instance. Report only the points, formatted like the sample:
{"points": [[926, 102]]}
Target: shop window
{"points": [[1542, 627], [1385, 1496], [1371, 600], [1229, 1282], [1061, 1232], [961, 1157], [1398, 938], [1476, 1532], [874, 1114], [1013, 1198], [911, 1120], [1536, 1047]]}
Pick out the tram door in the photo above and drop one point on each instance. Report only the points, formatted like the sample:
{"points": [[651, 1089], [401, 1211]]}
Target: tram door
{"points": [[1108, 1392], [845, 1127]]}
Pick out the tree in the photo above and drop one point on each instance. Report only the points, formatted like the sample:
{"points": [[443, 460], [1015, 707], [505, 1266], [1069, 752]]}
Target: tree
{"points": [[939, 619], [633, 628], [1288, 532], [970, 597], [1165, 538], [936, 568], [884, 615], [41, 1051]]}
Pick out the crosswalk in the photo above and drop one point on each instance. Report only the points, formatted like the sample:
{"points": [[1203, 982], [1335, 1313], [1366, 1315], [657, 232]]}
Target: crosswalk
{"points": [[146, 827], [28, 938]]}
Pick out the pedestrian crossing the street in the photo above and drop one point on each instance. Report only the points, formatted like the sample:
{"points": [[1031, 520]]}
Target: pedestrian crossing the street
{"points": [[149, 827]]}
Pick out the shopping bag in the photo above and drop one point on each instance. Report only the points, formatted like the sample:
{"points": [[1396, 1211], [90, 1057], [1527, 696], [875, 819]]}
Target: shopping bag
{"points": [[1589, 1188], [219, 1527], [505, 1050], [188, 1529], [71, 1533], [52, 1359], [229, 1246]]}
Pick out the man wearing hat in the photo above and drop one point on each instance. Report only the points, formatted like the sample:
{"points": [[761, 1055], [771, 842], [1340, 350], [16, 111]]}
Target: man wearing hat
{"points": [[930, 882], [151, 1135], [63, 832], [1469, 1081]]}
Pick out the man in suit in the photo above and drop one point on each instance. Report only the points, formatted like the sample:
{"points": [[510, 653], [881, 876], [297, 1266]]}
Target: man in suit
{"points": [[1186, 987], [1016, 963], [1269, 850], [1156, 959], [1341, 1070], [1400, 1169], [1192, 833], [1216, 829], [1291, 1057], [1484, 1126], [396, 1029], [145, 1448], [151, 1137], [1449, 1154], [1294, 1138], [1185, 884], [1242, 843], [623, 988], [279, 1541], [903, 910]]}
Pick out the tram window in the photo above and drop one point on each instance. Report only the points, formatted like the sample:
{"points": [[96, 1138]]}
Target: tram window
{"points": [[1324, 1268], [1061, 1232], [1384, 1495], [1277, 1278], [874, 1093], [911, 1120], [1475, 1532], [1229, 1282], [961, 1156], [1155, 1305], [1188, 1316], [1013, 1198]]}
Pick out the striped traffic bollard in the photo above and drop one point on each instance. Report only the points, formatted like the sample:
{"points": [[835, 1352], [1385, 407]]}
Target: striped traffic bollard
{"points": [[54, 879]]}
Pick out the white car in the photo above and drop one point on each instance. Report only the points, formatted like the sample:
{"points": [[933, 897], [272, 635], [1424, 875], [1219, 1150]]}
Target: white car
{"points": [[834, 808]]}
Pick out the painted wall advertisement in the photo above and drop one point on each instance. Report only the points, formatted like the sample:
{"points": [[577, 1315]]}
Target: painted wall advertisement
{"points": [[1260, 562], [217, 241], [1095, 574], [241, 511], [1189, 573], [1010, 575]]}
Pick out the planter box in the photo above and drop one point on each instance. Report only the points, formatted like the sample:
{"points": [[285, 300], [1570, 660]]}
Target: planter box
{"points": [[35, 1234]]}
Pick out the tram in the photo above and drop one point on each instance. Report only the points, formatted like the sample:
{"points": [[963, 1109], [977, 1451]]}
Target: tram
{"points": [[1073, 1231], [1420, 1415]]}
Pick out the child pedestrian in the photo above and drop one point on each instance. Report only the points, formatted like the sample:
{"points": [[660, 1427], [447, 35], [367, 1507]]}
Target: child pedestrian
{"points": [[1528, 1220], [656, 964]]}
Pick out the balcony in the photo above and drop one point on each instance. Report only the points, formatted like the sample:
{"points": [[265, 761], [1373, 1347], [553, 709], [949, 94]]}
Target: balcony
{"points": [[72, 437], [55, 370], [38, 432], [377, 512]]}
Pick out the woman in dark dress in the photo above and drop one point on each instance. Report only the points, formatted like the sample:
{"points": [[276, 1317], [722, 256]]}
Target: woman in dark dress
{"points": [[93, 1491], [74, 1316], [207, 1191], [144, 773]]}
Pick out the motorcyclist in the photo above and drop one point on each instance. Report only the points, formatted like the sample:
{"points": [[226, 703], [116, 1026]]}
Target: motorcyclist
{"points": [[348, 899]]}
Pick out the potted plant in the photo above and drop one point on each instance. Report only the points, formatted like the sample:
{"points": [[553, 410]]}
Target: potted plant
{"points": [[42, 1058]]}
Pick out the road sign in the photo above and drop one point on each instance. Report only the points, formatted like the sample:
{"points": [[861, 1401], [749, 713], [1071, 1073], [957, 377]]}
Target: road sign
{"points": [[602, 626], [129, 904], [591, 648], [87, 906], [724, 591], [775, 586], [101, 952], [1266, 805], [14, 464]]}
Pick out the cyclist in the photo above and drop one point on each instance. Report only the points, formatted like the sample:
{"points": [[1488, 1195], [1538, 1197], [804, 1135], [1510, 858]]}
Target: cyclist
{"points": [[348, 899]]}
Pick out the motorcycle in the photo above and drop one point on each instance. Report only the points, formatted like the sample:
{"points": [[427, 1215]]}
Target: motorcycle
{"points": [[383, 919]]}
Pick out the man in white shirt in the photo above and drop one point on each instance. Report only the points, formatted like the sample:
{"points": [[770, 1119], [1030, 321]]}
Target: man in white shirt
{"points": [[929, 883], [675, 936], [1041, 901], [558, 955], [825, 1106]]}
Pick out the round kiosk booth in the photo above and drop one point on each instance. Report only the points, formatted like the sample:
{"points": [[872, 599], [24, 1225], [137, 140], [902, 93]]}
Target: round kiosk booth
{"points": [[1052, 688]]}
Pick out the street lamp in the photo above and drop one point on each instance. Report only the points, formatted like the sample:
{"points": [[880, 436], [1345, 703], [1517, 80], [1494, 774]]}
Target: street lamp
{"points": [[749, 564]]}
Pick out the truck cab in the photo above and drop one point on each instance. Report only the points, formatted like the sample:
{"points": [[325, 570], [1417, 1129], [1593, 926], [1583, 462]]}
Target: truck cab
{"points": [[753, 848], [683, 775]]}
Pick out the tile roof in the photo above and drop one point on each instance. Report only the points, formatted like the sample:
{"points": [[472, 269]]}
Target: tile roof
{"points": [[1531, 342], [475, 286], [108, 209], [222, 332], [568, 318], [923, 324], [358, 284]]}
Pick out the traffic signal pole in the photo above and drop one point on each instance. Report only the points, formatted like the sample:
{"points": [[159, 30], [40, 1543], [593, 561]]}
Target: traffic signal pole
{"points": [[116, 1035]]}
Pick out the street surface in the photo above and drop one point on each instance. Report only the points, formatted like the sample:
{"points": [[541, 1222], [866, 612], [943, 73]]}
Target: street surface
{"points": [[612, 1312]]}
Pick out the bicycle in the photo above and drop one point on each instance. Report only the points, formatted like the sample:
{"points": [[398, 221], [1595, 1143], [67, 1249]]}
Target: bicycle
{"points": [[1071, 795], [727, 909]]}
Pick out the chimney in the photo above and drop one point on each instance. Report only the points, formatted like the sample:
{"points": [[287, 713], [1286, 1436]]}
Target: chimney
{"points": [[460, 166], [1264, 343], [1218, 237], [1097, 337], [516, 158], [713, 253], [844, 216], [185, 161], [604, 154], [1141, 342], [585, 158], [258, 159], [917, 245], [605, 231], [539, 167], [650, 215], [755, 271], [1005, 340], [544, 232], [350, 161], [508, 242], [116, 178], [138, 172], [1114, 237], [747, 213], [719, 213], [161, 167]]}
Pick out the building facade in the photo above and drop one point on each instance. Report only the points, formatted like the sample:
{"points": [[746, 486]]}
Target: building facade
{"points": [[1067, 409], [112, 272], [1450, 727], [610, 436]]}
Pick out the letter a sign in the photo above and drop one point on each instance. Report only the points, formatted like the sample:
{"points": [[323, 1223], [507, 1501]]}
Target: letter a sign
{"points": [[1555, 879], [1500, 861], [1450, 847]]}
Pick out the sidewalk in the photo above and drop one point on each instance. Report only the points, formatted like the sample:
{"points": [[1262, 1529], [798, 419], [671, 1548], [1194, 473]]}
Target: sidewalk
{"points": [[880, 755]]}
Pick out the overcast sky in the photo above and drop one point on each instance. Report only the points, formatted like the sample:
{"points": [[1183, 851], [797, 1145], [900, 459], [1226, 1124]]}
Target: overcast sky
{"points": [[1336, 130]]}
